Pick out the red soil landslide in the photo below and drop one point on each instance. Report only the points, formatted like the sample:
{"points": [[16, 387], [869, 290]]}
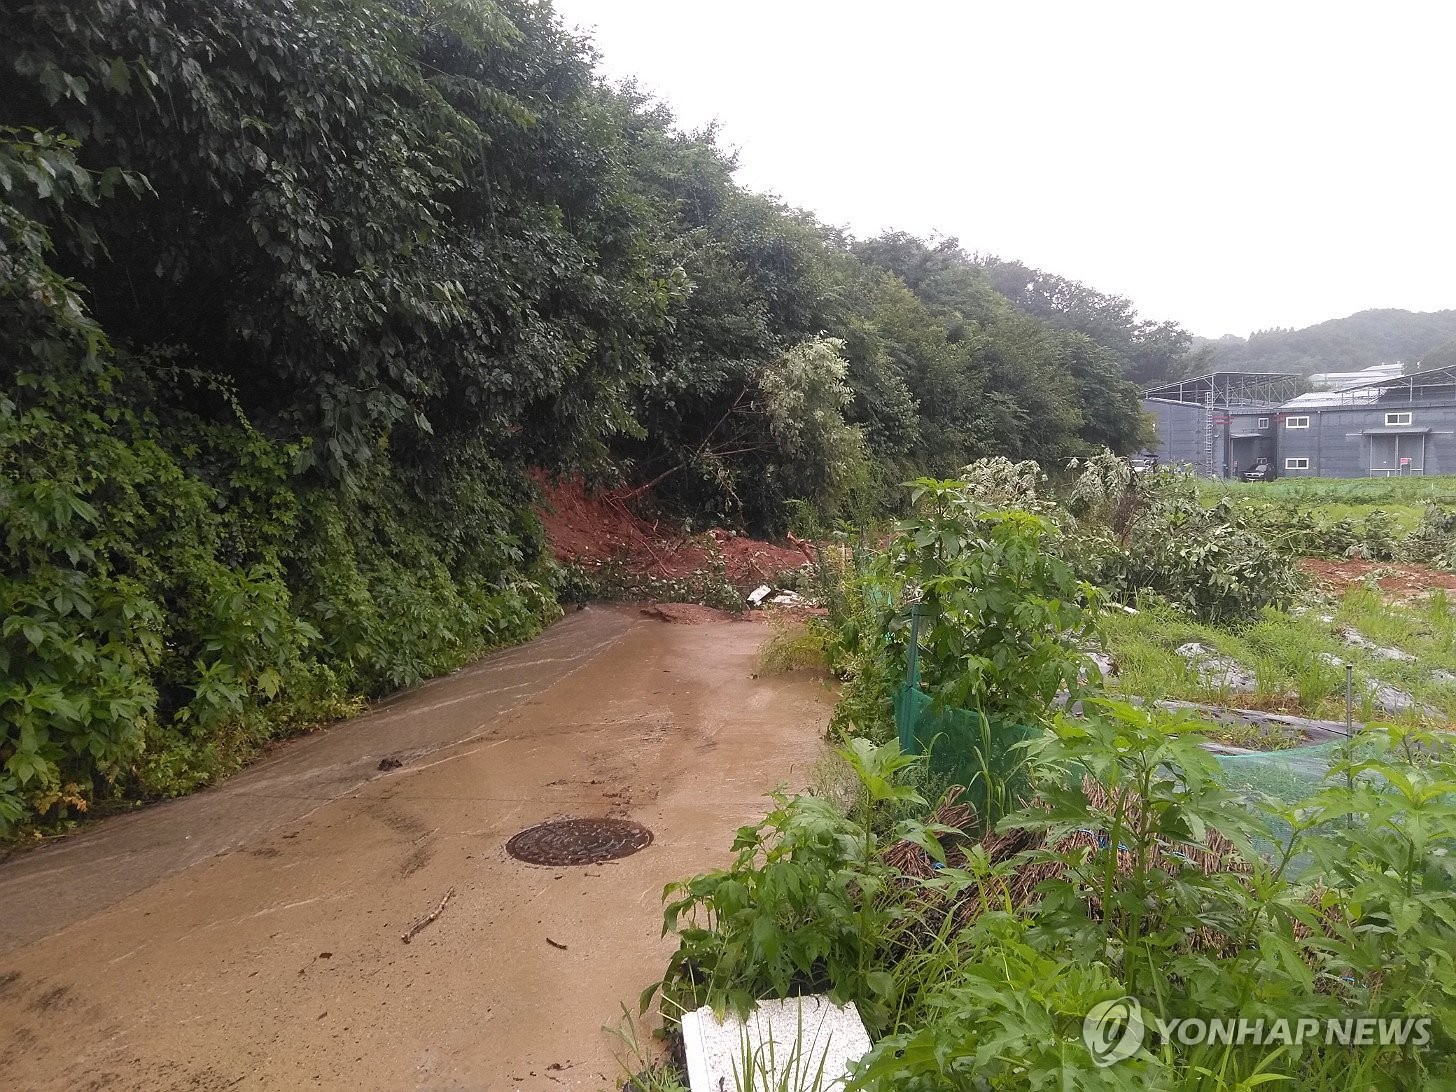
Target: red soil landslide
{"points": [[1402, 580], [595, 528]]}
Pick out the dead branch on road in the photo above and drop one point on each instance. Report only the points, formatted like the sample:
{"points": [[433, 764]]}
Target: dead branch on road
{"points": [[409, 934]]}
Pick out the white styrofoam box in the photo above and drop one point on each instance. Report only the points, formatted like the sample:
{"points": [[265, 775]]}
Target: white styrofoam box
{"points": [[803, 1044]]}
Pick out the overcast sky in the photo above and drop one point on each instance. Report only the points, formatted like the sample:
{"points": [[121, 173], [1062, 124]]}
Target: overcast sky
{"points": [[1231, 166]]}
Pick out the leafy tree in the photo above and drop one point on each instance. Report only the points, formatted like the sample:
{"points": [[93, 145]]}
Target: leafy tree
{"points": [[1045, 394], [804, 399], [1148, 352]]}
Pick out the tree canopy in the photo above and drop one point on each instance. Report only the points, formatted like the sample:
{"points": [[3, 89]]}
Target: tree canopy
{"points": [[294, 296]]}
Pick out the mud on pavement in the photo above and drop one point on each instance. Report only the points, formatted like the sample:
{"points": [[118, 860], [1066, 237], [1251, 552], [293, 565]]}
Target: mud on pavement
{"points": [[250, 937]]}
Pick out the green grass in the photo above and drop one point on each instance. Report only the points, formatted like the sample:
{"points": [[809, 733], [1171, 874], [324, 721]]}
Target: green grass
{"points": [[1405, 499], [1406, 516], [1278, 651], [1288, 655], [1359, 492], [795, 646]]}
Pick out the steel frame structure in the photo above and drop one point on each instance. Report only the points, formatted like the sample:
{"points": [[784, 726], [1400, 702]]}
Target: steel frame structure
{"points": [[1225, 390]]}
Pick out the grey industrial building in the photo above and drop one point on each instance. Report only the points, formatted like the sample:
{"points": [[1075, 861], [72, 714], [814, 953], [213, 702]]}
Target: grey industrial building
{"points": [[1226, 423]]}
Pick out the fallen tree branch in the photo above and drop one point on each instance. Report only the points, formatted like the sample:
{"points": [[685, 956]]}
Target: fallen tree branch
{"points": [[409, 934]]}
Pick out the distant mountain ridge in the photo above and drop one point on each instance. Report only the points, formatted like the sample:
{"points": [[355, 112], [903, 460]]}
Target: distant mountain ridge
{"points": [[1370, 337]]}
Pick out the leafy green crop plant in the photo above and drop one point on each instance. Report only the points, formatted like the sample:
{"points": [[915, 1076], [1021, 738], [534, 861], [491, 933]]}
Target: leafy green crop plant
{"points": [[808, 904], [1138, 893]]}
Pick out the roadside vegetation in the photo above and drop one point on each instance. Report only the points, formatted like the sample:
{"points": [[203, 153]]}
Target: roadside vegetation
{"points": [[1009, 839]]}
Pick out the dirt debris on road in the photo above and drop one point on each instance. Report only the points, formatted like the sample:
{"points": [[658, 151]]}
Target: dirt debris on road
{"points": [[274, 961], [686, 614], [592, 529]]}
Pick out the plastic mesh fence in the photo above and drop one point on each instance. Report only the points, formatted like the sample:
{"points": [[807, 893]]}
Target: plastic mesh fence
{"points": [[1289, 775], [962, 746]]}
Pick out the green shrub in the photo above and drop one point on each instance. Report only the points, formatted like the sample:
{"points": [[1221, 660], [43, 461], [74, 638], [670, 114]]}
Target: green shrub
{"points": [[807, 904], [1215, 562], [82, 635], [795, 646], [1434, 538], [1001, 615], [1364, 926], [171, 602]]}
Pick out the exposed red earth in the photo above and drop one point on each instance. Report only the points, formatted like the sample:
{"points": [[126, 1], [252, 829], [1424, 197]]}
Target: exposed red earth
{"points": [[596, 528], [1400, 580]]}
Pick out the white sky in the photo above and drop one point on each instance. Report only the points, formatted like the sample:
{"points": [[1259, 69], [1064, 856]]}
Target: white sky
{"points": [[1230, 165]]}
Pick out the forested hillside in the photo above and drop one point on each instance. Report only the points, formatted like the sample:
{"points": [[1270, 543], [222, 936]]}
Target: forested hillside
{"points": [[293, 296], [1148, 352], [1340, 345]]}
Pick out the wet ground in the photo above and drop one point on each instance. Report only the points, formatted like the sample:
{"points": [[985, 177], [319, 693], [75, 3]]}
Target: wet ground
{"points": [[249, 937]]}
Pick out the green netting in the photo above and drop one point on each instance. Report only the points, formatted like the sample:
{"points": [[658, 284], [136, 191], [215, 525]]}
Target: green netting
{"points": [[963, 746], [1294, 775], [1289, 775]]}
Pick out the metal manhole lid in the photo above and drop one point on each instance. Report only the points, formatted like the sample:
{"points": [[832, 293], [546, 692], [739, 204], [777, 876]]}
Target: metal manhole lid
{"points": [[579, 841]]}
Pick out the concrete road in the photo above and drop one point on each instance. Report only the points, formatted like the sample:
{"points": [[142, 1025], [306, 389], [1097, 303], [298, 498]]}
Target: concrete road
{"points": [[248, 937]]}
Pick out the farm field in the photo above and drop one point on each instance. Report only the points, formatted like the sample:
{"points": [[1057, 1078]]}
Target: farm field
{"points": [[1404, 499], [1402, 649], [1375, 593]]}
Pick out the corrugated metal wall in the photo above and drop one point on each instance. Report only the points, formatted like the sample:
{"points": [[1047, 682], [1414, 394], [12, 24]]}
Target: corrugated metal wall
{"points": [[1180, 433], [1350, 442], [1342, 442]]}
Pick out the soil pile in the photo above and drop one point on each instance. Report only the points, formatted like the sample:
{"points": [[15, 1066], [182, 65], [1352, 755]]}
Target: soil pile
{"points": [[594, 529]]}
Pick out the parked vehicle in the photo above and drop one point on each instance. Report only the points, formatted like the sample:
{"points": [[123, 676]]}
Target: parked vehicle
{"points": [[1143, 462]]}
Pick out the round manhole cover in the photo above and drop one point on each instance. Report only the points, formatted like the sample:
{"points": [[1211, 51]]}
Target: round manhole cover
{"points": [[579, 841]]}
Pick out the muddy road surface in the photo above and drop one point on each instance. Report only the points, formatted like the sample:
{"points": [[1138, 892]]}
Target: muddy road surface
{"points": [[249, 937]]}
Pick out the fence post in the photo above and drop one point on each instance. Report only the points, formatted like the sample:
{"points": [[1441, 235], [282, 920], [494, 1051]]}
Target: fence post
{"points": [[1350, 700]]}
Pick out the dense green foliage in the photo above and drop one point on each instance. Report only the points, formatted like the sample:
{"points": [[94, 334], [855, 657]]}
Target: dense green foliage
{"points": [[934, 369], [1148, 352], [223, 514], [1340, 345], [999, 613], [1008, 584], [292, 297], [1219, 563], [1135, 871], [1362, 925]]}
